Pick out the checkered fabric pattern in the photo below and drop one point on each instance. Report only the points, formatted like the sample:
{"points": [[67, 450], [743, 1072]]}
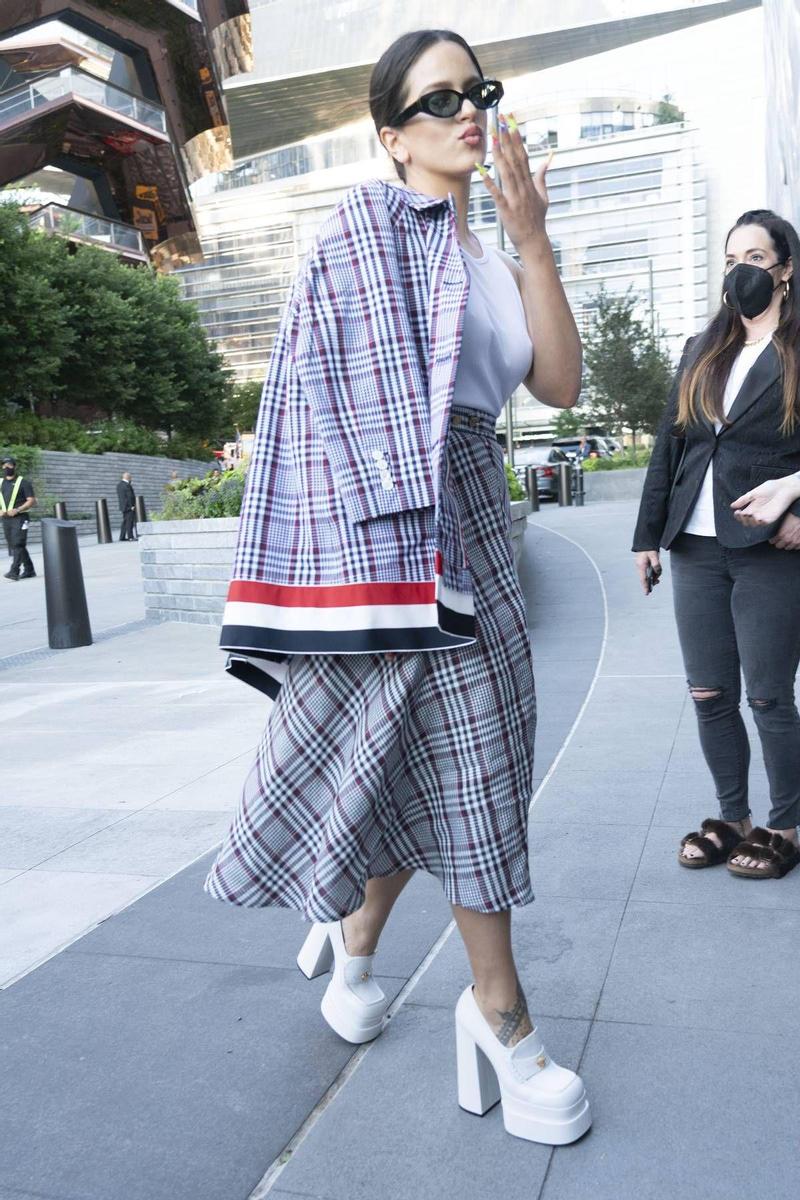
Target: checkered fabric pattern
{"points": [[369, 765], [347, 540]]}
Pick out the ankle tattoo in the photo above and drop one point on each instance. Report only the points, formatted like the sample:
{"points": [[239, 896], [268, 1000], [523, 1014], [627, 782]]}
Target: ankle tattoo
{"points": [[516, 1022]]}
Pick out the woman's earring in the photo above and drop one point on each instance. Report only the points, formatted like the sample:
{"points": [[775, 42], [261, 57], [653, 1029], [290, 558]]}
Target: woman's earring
{"points": [[725, 301], [785, 290]]}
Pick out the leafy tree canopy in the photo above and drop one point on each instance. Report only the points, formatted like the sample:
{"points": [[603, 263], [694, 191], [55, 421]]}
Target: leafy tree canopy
{"points": [[628, 372], [81, 334]]}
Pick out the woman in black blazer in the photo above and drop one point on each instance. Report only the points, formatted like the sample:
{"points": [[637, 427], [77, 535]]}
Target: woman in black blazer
{"points": [[725, 466]]}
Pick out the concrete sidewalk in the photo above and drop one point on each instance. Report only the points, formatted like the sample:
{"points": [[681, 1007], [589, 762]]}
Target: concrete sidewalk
{"points": [[112, 576], [176, 1052]]}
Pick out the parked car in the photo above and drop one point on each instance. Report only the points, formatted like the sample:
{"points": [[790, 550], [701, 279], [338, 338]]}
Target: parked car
{"points": [[545, 459], [571, 445]]}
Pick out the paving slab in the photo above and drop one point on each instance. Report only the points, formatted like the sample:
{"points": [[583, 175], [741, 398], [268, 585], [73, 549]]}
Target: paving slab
{"points": [[40, 911], [562, 948], [669, 1125], [600, 795], [395, 1132], [155, 843], [112, 578], [178, 920], [178, 951], [625, 958], [684, 965], [660, 879], [31, 836], [132, 1068]]}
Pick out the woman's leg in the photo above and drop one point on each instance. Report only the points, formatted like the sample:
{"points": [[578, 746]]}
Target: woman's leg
{"points": [[498, 992], [362, 929], [766, 611], [702, 589]]}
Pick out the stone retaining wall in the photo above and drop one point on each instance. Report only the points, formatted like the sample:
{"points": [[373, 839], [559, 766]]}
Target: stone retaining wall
{"points": [[186, 565], [625, 484], [80, 479]]}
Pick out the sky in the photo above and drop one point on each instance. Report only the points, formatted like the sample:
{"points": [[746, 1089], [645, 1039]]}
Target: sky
{"points": [[709, 69]]}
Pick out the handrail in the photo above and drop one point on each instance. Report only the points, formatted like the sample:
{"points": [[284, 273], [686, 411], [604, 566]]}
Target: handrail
{"points": [[72, 81], [103, 231]]}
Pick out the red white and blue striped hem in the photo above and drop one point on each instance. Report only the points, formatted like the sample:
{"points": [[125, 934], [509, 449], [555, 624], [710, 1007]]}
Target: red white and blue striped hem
{"points": [[264, 623]]}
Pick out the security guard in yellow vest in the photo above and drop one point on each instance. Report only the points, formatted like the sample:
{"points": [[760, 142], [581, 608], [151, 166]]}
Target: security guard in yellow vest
{"points": [[16, 497]]}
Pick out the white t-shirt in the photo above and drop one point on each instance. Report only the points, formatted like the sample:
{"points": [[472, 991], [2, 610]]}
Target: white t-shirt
{"points": [[496, 350], [701, 519]]}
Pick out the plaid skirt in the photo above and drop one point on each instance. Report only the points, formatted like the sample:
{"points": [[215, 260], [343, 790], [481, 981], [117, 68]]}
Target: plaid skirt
{"points": [[370, 765]]}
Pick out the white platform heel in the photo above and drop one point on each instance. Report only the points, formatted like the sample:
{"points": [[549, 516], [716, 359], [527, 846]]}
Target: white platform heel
{"points": [[353, 1005], [542, 1102]]}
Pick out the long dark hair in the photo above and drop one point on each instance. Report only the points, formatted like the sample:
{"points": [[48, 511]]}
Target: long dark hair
{"points": [[702, 387], [388, 79]]}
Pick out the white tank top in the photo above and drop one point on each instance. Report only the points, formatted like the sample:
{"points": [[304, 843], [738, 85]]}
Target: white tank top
{"points": [[496, 350]]}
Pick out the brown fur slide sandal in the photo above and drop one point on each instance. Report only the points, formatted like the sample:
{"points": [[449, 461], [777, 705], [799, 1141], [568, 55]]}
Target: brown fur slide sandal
{"points": [[712, 855], [778, 854]]}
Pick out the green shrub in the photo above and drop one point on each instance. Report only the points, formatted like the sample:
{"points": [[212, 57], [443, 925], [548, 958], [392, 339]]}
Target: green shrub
{"points": [[515, 489], [215, 495], [618, 462], [118, 436]]}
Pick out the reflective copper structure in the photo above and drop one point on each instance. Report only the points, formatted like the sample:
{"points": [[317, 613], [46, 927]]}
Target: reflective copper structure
{"points": [[124, 93]]}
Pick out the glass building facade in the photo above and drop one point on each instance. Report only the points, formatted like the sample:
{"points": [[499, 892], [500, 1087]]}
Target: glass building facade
{"points": [[782, 47], [627, 209]]}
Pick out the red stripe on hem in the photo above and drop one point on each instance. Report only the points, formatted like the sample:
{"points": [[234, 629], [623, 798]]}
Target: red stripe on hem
{"points": [[338, 596]]}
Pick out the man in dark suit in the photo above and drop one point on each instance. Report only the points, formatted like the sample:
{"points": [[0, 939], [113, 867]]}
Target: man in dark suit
{"points": [[127, 506]]}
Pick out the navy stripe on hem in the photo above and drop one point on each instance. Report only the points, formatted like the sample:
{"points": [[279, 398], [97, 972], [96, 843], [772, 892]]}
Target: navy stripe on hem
{"points": [[249, 639]]}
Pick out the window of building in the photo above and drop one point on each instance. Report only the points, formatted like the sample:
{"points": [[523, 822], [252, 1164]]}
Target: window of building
{"points": [[54, 44], [52, 185]]}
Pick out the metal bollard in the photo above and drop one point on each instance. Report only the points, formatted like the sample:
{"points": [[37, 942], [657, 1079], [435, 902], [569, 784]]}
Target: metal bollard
{"points": [[564, 484], [578, 482], [532, 487], [103, 522], [61, 510], [65, 596], [141, 510]]}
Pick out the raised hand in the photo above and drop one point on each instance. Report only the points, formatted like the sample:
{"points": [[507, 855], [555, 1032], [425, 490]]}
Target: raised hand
{"points": [[522, 204]]}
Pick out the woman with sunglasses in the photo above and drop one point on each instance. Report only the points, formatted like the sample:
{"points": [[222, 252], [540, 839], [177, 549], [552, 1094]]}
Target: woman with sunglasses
{"points": [[725, 469], [403, 740]]}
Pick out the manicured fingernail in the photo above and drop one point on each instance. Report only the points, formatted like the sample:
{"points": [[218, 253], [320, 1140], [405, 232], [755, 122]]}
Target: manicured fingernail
{"points": [[495, 139], [512, 124], [480, 167], [550, 157]]}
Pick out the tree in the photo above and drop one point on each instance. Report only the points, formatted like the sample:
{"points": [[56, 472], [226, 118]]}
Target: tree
{"points": [[82, 334], [629, 373], [569, 422], [35, 324], [668, 113], [242, 404]]}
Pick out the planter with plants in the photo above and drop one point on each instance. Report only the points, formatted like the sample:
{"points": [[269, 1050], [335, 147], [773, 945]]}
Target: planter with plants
{"points": [[187, 549]]}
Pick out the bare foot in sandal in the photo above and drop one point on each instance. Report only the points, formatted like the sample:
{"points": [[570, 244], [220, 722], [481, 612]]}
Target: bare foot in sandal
{"points": [[744, 860], [692, 853]]}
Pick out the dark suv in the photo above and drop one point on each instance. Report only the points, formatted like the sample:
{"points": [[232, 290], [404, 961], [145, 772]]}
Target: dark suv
{"points": [[546, 460], [571, 445]]}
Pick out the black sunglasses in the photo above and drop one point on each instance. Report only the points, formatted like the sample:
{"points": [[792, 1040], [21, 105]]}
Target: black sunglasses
{"points": [[446, 103]]}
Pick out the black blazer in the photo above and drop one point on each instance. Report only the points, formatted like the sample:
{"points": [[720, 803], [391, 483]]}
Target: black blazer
{"points": [[126, 496], [747, 451]]}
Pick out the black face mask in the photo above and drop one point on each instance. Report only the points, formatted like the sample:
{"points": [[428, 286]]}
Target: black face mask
{"points": [[749, 289], [9, 472]]}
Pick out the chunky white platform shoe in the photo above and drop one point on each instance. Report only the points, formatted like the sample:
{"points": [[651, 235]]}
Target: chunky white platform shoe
{"points": [[542, 1102], [353, 1005]]}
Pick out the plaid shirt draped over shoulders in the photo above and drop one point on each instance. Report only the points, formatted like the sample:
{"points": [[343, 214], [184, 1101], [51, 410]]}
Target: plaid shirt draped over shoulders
{"points": [[349, 541]]}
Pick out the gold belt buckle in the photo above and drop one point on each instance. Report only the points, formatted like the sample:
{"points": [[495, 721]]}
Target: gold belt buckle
{"points": [[473, 420]]}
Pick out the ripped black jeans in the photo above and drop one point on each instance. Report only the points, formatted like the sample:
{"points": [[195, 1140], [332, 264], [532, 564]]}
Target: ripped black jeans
{"points": [[738, 611]]}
